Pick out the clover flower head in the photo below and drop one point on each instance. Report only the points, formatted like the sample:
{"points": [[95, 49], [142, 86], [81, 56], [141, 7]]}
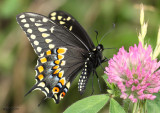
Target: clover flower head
{"points": [[135, 73]]}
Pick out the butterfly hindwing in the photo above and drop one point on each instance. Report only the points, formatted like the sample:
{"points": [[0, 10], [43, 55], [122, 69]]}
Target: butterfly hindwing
{"points": [[72, 25], [55, 72]]}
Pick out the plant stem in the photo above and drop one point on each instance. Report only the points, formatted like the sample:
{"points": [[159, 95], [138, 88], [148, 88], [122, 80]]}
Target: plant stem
{"points": [[139, 107]]}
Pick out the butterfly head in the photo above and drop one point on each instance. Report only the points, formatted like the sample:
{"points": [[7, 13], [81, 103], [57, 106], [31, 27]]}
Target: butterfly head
{"points": [[100, 47]]}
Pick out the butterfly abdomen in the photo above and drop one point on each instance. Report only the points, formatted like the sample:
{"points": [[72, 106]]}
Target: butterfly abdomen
{"points": [[86, 71]]}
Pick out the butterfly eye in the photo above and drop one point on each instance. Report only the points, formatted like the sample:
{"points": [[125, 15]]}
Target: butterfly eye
{"points": [[100, 47]]}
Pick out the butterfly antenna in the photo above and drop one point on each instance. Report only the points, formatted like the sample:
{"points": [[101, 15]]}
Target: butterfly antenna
{"points": [[107, 33], [97, 36], [111, 48]]}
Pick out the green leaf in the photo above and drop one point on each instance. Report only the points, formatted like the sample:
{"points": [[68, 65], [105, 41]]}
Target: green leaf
{"points": [[115, 107], [113, 89], [153, 106], [90, 104], [126, 104]]}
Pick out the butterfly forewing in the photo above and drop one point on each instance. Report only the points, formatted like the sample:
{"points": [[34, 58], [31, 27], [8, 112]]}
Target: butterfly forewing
{"points": [[72, 25], [44, 34]]}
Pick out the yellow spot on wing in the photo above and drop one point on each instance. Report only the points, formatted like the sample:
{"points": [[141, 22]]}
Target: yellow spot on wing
{"points": [[61, 50], [63, 63], [23, 20], [40, 77], [39, 49], [60, 57], [40, 69], [22, 16], [47, 90], [68, 85], [59, 17], [57, 62], [29, 30], [60, 74], [56, 67], [33, 36], [32, 19], [43, 60], [62, 81], [68, 18], [26, 25], [38, 24], [55, 72], [70, 28], [42, 29], [56, 97], [48, 52], [53, 14], [61, 22], [53, 18], [41, 84], [51, 46], [44, 35], [48, 40]]}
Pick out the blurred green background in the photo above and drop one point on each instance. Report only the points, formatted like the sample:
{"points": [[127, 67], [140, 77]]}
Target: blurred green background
{"points": [[17, 58]]}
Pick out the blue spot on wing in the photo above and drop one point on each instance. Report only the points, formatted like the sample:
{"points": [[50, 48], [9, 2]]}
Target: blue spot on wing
{"points": [[65, 89], [59, 84]]}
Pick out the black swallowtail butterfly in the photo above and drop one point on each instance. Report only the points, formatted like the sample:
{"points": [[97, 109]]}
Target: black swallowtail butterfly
{"points": [[63, 48]]}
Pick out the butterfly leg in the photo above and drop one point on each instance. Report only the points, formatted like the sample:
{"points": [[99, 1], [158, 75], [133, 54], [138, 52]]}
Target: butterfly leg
{"points": [[92, 84], [105, 60], [98, 80], [101, 63]]}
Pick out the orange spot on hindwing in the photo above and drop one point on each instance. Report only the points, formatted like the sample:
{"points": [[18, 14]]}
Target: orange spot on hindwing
{"points": [[57, 62], [40, 77], [56, 71], [60, 74], [43, 60], [40, 69], [62, 81], [55, 90], [48, 52], [63, 94], [60, 57], [56, 67]]}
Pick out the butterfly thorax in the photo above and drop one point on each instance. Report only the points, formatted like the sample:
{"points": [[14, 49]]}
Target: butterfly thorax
{"points": [[96, 55]]}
